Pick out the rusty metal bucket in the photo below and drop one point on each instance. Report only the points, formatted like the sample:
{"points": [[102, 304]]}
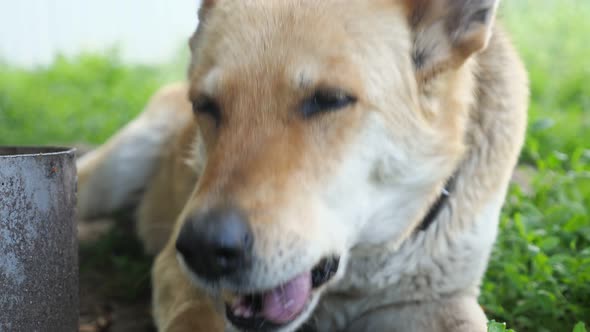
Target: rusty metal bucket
{"points": [[38, 245]]}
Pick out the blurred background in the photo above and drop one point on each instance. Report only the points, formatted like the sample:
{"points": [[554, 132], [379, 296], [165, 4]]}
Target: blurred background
{"points": [[34, 32], [73, 72]]}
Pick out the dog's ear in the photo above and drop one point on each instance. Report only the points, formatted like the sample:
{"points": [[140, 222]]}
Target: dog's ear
{"points": [[205, 6], [448, 32]]}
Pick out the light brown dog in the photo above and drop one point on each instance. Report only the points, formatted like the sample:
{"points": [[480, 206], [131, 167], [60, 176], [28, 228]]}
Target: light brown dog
{"points": [[340, 163]]}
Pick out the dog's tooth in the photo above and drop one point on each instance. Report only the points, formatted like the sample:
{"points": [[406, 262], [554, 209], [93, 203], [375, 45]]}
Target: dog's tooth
{"points": [[248, 313], [239, 311]]}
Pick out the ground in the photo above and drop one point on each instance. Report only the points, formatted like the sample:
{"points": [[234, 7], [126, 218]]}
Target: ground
{"points": [[115, 293], [108, 301]]}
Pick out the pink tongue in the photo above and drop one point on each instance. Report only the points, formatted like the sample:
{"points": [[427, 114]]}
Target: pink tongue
{"points": [[284, 303]]}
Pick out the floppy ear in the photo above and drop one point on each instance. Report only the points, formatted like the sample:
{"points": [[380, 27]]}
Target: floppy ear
{"points": [[448, 32]]}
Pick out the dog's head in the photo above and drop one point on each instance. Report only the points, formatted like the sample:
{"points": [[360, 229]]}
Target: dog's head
{"points": [[327, 124]]}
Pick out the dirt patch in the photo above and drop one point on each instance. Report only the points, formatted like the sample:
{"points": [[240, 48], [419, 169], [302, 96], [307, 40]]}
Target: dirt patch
{"points": [[114, 280], [114, 275]]}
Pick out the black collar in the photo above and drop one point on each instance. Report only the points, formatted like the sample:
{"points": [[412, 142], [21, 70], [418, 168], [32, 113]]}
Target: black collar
{"points": [[438, 205]]}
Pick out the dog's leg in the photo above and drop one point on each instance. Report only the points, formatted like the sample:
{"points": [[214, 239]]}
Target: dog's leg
{"points": [[169, 189], [457, 314], [113, 176], [178, 305]]}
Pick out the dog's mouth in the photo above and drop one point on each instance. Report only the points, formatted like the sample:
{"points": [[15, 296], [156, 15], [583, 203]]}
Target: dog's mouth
{"points": [[275, 308]]}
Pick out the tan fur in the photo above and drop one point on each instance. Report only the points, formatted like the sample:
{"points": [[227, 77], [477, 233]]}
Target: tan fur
{"points": [[155, 230], [436, 97]]}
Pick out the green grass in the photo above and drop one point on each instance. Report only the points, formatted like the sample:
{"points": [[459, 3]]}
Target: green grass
{"points": [[494, 326], [539, 276], [83, 100], [116, 266]]}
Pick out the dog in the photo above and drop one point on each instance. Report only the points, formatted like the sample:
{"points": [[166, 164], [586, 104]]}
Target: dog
{"points": [[329, 165]]}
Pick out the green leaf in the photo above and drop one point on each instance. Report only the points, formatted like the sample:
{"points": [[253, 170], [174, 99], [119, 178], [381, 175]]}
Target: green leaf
{"points": [[580, 327], [494, 326]]}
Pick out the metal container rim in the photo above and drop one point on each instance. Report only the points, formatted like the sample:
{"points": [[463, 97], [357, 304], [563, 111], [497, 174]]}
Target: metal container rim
{"points": [[33, 151]]}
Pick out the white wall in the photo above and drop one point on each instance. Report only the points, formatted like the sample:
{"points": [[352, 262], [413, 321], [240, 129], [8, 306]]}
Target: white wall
{"points": [[32, 32]]}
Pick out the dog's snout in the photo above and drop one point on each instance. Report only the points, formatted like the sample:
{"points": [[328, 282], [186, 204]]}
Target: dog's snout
{"points": [[217, 243]]}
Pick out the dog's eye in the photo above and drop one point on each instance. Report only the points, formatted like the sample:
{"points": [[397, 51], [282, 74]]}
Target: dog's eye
{"points": [[207, 106], [326, 101]]}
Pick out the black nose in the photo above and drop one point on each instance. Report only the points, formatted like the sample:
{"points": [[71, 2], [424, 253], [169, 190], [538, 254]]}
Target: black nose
{"points": [[217, 243]]}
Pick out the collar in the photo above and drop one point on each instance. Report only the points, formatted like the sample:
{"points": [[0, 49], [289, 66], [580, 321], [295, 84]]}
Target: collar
{"points": [[438, 204]]}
